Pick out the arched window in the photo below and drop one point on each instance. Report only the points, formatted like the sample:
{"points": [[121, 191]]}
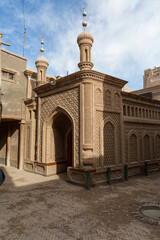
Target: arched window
{"points": [[132, 111], [146, 113], [136, 112], [128, 111], [109, 144], [143, 113], [124, 110], [86, 54]]}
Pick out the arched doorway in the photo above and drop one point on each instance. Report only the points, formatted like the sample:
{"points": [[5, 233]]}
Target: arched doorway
{"points": [[60, 133]]}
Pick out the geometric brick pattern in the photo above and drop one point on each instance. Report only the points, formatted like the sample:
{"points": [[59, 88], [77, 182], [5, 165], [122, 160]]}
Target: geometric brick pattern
{"points": [[109, 144], [68, 100], [133, 148], [146, 137], [100, 118]]}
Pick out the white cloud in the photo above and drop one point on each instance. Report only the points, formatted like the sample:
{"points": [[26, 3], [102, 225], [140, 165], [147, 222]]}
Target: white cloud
{"points": [[126, 34]]}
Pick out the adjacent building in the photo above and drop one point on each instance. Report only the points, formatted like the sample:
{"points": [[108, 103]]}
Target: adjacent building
{"points": [[13, 92]]}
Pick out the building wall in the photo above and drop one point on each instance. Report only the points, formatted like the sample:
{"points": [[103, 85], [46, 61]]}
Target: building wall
{"points": [[151, 77], [13, 90]]}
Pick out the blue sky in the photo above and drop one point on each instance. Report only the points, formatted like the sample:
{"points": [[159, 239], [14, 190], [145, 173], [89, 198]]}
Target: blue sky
{"points": [[126, 34]]}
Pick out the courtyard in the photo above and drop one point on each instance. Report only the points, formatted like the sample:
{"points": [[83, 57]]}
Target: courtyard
{"points": [[48, 208]]}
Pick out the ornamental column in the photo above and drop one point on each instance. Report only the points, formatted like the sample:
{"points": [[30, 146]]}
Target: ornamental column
{"points": [[21, 148], [85, 41]]}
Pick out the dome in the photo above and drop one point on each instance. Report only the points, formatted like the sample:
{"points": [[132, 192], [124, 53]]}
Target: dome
{"points": [[42, 59], [83, 35]]}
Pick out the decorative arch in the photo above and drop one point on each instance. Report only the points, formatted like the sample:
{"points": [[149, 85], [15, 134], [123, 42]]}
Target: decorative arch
{"points": [[98, 99], [108, 143], [116, 100], [146, 146], [132, 147], [57, 128], [157, 145]]}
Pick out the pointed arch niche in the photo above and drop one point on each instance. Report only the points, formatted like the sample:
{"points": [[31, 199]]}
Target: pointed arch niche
{"points": [[58, 140], [108, 143], [157, 146], [132, 147], [146, 147]]}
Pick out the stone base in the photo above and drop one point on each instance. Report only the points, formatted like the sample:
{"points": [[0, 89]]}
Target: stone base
{"points": [[97, 176], [100, 176], [46, 169]]}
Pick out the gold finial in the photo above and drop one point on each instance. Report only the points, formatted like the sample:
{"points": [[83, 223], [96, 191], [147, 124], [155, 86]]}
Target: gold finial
{"points": [[42, 49], [84, 23]]}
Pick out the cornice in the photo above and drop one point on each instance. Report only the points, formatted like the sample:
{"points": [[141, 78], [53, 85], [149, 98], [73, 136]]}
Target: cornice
{"points": [[148, 89], [140, 120], [33, 74], [30, 101], [80, 76], [13, 54], [130, 97]]}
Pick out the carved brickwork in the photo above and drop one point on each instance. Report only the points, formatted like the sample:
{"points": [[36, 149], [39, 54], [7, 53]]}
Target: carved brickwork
{"points": [[99, 119], [98, 98], [108, 132], [68, 100], [117, 100], [146, 141], [109, 144], [133, 148], [107, 98], [131, 110]]}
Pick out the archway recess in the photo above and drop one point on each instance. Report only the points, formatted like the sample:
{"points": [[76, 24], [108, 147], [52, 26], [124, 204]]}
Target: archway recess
{"points": [[59, 141]]}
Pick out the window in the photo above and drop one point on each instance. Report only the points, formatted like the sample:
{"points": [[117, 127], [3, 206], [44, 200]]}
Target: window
{"points": [[8, 75], [4, 74]]}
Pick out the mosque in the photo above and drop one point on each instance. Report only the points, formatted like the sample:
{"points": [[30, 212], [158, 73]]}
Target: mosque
{"points": [[85, 122]]}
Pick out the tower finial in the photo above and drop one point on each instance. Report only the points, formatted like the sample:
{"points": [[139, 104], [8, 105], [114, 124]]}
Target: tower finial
{"points": [[84, 23], [42, 49]]}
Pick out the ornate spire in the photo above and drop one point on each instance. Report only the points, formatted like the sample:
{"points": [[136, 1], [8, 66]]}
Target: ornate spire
{"points": [[42, 49], [84, 23], [41, 65], [85, 41]]}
